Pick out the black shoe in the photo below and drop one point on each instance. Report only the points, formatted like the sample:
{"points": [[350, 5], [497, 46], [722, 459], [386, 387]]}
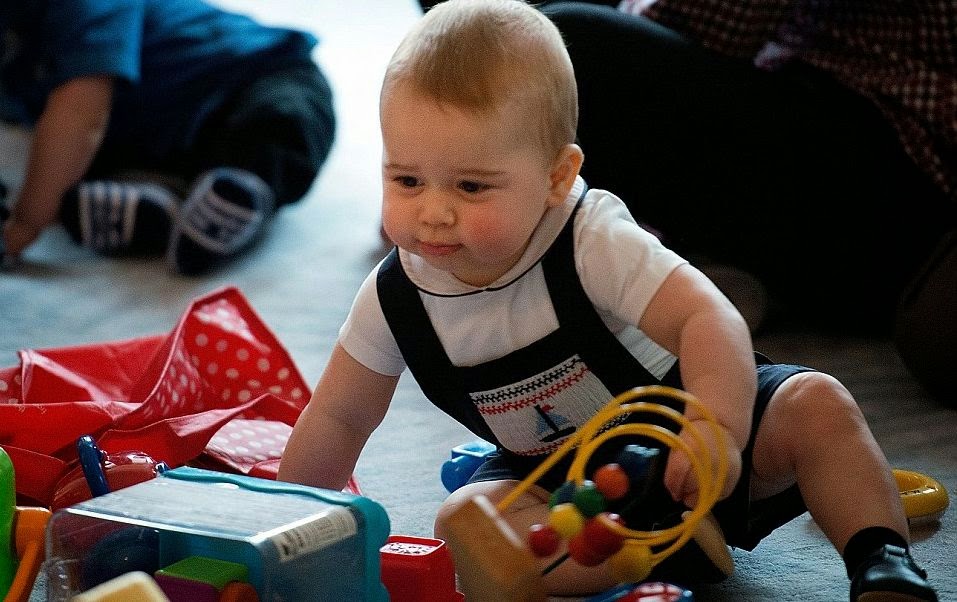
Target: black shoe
{"points": [[119, 218], [224, 214], [890, 575]]}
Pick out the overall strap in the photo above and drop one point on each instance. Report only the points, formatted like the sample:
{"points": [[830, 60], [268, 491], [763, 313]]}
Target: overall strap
{"points": [[439, 379], [599, 348]]}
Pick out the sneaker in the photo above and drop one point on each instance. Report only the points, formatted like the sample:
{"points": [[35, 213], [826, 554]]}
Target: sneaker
{"points": [[225, 213], [890, 575], [119, 218]]}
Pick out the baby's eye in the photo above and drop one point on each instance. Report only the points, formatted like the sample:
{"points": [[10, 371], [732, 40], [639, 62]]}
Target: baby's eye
{"points": [[407, 181], [472, 187]]}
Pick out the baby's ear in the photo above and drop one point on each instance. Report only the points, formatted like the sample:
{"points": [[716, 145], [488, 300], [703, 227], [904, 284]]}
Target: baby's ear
{"points": [[564, 171]]}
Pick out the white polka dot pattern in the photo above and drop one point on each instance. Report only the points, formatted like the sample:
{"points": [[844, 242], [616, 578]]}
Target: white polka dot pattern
{"points": [[220, 357], [249, 442]]}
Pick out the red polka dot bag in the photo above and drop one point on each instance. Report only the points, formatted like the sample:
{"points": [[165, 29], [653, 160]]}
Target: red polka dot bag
{"points": [[219, 391]]}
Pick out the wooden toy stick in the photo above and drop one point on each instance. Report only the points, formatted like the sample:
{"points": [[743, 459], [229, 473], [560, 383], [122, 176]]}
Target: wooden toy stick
{"points": [[492, 561]]}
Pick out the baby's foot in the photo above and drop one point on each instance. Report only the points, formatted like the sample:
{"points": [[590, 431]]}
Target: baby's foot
{"points": [[119, 218], [890, 575], [225, 213]]}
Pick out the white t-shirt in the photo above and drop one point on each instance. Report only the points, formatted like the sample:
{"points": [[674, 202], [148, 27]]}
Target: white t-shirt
{"points": [[620, 265]]}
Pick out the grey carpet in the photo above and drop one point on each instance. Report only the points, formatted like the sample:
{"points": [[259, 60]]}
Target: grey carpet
{"points": [[302, 278]]}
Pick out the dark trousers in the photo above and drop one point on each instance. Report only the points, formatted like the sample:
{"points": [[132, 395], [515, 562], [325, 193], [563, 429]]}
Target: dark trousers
{"points": [[788, 175], [280, 127]]}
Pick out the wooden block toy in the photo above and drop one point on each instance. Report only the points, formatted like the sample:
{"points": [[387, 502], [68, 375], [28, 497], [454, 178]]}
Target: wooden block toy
{"points": [[135, 586], [492, 561]]}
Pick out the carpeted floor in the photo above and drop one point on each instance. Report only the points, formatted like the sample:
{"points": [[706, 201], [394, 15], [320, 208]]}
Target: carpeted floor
{"points": [[301, 281]]}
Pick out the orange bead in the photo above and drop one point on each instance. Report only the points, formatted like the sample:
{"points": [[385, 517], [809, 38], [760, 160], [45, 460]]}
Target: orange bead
{"points": [[612, 481]]}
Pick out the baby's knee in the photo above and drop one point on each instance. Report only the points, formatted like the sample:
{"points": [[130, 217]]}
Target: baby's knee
{"points": [[816, 403], [495, 492]]}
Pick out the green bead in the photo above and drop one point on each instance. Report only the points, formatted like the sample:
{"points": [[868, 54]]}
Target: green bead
{"points": [[562, 495], [589, 501]]}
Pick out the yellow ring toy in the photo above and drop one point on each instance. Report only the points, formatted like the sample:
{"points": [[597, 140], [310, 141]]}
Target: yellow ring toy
{"points": [[710, 467], [923, 497]]}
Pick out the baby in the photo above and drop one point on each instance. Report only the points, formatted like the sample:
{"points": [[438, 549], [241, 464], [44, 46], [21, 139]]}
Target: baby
{"points": [[522, 301]]}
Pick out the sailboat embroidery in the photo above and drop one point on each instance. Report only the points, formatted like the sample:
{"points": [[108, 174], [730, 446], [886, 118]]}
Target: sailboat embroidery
{"points": [[550, 424]]}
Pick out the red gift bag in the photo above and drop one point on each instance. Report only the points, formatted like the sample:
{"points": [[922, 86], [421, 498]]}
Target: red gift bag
{"points": [[219, 390]]}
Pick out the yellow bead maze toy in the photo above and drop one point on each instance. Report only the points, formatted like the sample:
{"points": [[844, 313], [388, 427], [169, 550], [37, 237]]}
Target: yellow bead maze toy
{"points": [[495, 564]]}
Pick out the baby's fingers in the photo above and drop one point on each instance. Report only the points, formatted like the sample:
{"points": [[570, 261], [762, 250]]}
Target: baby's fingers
{"points": [[680, 479]]}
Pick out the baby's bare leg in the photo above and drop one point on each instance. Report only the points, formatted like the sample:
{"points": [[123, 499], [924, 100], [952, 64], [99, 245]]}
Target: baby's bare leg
{"points": [[813, 433]]}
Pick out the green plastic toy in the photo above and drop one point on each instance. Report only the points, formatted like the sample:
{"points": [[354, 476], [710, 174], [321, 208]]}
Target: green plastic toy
{"points": [[8, 506]]}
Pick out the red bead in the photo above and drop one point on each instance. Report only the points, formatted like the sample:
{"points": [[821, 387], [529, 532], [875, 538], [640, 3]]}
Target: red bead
{"points": [[600, 537], [543, 540], [612, 481], [581, 551]]}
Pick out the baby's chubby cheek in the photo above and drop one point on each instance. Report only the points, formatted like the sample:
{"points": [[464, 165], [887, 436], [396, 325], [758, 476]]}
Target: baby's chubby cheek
{"points": [[490, 234]]}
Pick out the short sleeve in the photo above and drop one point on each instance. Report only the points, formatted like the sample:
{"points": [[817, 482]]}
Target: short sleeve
{"points": [[621, 265], [366, 335], [94, 37]]}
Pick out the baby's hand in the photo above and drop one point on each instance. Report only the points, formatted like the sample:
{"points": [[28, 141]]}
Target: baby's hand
{"points": [[680, 478], [16, 236]]}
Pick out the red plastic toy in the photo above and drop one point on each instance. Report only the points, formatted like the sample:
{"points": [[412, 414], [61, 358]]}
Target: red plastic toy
{"points": [[101, 474], [418, 569]]}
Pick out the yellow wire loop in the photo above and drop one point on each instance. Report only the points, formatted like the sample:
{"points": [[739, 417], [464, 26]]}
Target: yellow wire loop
{"points": [[710, 466]]}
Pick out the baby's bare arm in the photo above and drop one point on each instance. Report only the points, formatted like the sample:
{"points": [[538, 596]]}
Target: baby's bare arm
{"points": [[66, 138], [347, 405], [691, 318]]}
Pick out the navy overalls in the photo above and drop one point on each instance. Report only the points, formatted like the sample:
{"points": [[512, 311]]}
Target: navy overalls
{"points": [[530, 400]]}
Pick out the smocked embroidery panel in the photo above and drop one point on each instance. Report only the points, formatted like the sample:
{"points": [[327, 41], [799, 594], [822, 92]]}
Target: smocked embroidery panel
{"points": [[536, 415]]}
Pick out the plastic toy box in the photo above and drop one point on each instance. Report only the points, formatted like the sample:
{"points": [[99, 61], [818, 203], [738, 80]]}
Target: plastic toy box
{"points": [[298, 543]]}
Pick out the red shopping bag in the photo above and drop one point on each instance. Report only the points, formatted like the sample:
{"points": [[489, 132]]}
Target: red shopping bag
{"points": [[219, 390]]}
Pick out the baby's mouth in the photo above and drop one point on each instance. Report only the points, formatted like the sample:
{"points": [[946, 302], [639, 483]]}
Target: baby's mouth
{"points": [[437, 249]]}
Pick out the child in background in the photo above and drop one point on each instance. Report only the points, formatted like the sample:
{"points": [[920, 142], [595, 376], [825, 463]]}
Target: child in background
{"points": [[515, 290], [159, 125]]}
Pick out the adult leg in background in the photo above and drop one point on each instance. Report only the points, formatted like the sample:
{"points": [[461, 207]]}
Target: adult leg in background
{"points": [[280, 128], [787, 175], [261, 150]]}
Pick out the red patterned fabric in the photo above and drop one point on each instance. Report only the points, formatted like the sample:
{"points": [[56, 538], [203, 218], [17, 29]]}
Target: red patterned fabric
{"points": [[902, 55], [219, 390]]}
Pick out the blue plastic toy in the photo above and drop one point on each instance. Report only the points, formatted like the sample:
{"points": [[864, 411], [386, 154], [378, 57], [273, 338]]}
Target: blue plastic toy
{"points": [[465, 460], [91, 459]]}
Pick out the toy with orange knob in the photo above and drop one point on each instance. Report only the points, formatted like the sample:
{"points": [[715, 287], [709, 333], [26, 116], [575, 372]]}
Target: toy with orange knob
{"points": [[495, 563]]}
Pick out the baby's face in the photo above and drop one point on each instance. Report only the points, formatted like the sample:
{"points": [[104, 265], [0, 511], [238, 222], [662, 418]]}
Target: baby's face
{"points": [[460, 189]]}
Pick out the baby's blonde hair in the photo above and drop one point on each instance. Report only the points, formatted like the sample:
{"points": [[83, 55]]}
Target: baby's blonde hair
{"points": [[489, 55]]}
